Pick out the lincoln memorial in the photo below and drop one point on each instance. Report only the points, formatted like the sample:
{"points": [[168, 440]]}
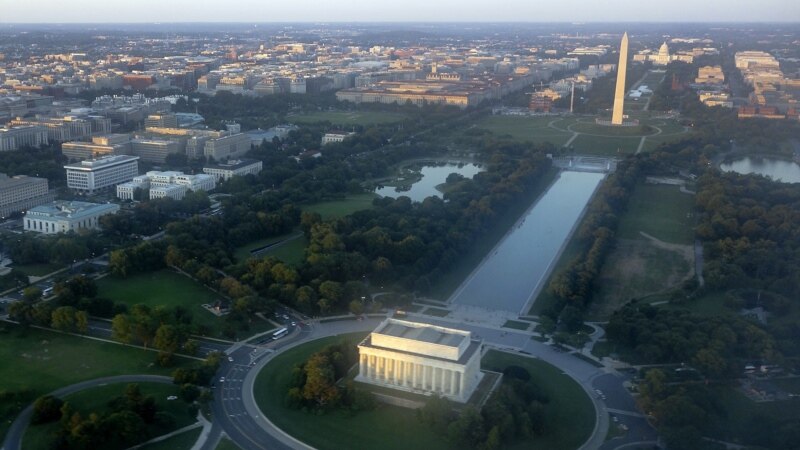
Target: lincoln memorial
{"points": [[421, 358]]}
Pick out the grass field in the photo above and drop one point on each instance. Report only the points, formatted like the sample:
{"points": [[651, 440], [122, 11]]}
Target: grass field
{"points": [[593, 128], [449, 282], [516, 325], [604, 145], [740, 419], [95, 400], [662, 212], [636, 268], [339, 208], [183, 441], [570, 413], [162, 288], [170, 289], [349, 117], [532, 129], [225, 444], [43, 361], [243, 252], [387, 427]]}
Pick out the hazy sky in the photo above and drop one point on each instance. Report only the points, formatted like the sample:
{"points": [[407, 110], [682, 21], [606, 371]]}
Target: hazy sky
{"points": [[398, 10]]}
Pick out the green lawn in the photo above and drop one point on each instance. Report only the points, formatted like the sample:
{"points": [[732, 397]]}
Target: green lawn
{"points": [[43, 361], [532, 129], [570, 413], [334, 209], [516, 325], [166, 288], [291, 252], [603, 145], [40, 437], [243, 252], [661, 211], [348, 117], [386, 428], [37, 270], [437, 312], [162, 288], [226, 444], [608, 131], [183, 441]]}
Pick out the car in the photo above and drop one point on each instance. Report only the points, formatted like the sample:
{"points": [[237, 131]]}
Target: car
{"points": [[221, 379], [615, 418], [230, 358], [294, 324], [172, 397]]}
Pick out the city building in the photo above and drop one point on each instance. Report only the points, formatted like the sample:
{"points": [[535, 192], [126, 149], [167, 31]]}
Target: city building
{"points": [[227, 147], [22, 192], [335, 136], [234, 167], [127, 190], [710, 75], [173, 191], [421, 358], [155, 180], [162, 120], [154, 150], [15, 138], [258, 136], [90, 176], [64, 216], [100, 146], [663, 57]]}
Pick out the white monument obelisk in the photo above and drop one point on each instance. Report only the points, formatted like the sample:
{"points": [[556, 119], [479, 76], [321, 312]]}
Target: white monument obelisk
{"points": [[619, 93]]}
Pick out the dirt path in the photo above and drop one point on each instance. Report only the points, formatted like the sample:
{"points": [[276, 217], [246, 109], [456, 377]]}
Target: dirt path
{"points": [[686, 250]]}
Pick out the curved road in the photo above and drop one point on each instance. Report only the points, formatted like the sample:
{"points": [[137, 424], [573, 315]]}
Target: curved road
{"points": [[13, 439]]}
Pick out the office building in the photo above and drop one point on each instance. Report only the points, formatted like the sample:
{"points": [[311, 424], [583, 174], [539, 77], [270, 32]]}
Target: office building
{"points": [[232, 168], [161, 120], [21, 193], [227, 147], [64, 216], [100, 146], [90, 176], [154, 150], [15, 138]]}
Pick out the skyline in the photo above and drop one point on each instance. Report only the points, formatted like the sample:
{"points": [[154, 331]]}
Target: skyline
{"points": [[309, 11]]}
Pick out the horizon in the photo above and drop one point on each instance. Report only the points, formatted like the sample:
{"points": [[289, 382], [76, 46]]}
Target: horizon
{"points": [[410, 11]]}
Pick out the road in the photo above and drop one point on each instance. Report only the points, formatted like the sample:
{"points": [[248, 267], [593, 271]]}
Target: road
{"points": [[13, 439]]}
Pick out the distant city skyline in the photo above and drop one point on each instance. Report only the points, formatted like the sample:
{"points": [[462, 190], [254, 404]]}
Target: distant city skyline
{"points": [[149, 11]]}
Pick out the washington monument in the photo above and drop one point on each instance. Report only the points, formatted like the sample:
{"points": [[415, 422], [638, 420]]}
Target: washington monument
{"points": [[619, 93]]}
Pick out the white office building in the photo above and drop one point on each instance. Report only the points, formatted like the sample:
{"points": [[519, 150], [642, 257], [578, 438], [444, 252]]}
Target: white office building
{"points": [[421, 358], [64, 216], [127, 190], [95, 175], [173, 191]]}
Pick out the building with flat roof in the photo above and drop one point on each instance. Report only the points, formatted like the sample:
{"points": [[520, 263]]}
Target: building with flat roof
{"points": [[14, 138], [173, 191], [335, 136], [232, 168], [227, 147], [154, 150], [22, 192], [64, 216], [421, 358], [90, 176], [100, 146], [162, 120]]}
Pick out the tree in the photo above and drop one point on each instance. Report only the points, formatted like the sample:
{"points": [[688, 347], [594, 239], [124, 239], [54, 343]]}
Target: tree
{"points": [[356, 307], [46, 409], [63, 319], [31, 293], [320, 384], [121, 328]]}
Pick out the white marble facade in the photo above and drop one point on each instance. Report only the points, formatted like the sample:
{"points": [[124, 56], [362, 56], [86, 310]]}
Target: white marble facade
{"points": [[422, 358]]}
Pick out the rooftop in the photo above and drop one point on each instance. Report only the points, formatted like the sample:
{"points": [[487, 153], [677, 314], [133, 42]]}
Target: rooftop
{"points": [[424, 333], [61, 209], [91, 164]]}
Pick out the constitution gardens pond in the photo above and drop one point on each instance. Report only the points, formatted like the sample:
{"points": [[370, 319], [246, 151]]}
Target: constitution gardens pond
{"points": [[778, 169], [517, 268], [420, 182]]}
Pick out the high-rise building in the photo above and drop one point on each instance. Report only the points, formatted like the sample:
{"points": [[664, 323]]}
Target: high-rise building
{"points": [[619, 93], [99, 174]]}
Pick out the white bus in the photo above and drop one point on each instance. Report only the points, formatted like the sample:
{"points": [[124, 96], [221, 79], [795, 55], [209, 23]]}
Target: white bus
{"points": [[280, 333]]}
